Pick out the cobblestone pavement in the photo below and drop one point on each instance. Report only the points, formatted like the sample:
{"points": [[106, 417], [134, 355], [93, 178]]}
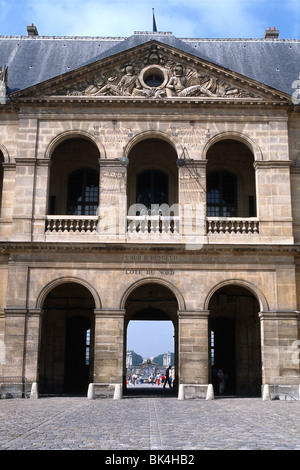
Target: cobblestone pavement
{"points": [[148, 423]]}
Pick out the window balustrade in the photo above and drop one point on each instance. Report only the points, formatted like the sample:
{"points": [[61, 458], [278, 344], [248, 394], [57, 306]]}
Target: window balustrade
{"points": [[144, 225], [71, 224]]}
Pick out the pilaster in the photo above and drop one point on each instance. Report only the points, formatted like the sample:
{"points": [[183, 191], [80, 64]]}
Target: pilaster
{"points": [[192, 200], [279, 332], [109, 339], [112, 201], [193, 346]]}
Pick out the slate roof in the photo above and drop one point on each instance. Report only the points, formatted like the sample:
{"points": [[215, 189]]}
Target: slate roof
{"points": [[31, 60]]}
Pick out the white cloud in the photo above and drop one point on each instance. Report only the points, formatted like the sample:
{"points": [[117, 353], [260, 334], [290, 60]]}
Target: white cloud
{"points": [[121, 18], [185, 18]]}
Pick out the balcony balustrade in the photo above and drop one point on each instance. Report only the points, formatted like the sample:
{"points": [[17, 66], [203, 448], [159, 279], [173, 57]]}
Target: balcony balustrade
{"points": [[232, 225], [145, 227], [71, 224], [153, 224]]}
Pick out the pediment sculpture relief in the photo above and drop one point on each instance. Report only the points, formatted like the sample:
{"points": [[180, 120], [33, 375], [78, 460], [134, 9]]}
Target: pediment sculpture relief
{"points": [[155, 76]]}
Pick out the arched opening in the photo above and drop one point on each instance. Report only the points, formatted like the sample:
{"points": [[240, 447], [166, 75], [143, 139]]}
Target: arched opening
{"points": [[152, 173], [74, 178], [151, 304], [66, 352], [235, 344], [230, 180], [152, 188]]}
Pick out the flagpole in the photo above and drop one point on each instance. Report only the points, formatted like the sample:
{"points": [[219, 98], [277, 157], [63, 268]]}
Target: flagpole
{"points": [[154, 22]]}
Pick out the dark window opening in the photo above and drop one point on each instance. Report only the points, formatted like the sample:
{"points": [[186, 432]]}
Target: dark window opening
{"points": [[252, 208], [154, 80], [83, 190], [221, 195], [152, 188]]}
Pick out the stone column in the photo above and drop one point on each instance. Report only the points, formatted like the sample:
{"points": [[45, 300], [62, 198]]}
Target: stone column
{"points": [[192, 201], [2, 343], [23, 203], [32, 344], [112, 201], [193, 347], [25, 179], [279, 332], [15, 328], [274, 201], [108, 350], [7, 199], [40, 203]]}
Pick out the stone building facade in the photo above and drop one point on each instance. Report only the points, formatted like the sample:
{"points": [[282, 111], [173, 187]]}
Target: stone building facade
{"points": [[149, 177]]}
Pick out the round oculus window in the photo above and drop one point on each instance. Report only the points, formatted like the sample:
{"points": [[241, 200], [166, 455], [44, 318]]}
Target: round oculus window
{"points": [[154, 77]]}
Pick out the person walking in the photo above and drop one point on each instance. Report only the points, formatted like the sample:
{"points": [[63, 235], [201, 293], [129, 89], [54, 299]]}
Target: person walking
{"points": [[167, 378]]}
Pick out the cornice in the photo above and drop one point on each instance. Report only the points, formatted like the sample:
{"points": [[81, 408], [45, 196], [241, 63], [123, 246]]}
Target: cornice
{"points": [[153, 102], [6, 247]]}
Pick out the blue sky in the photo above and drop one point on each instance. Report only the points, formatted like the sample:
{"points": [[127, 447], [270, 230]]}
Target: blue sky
{"points": [[191, 18], [149, 339]]}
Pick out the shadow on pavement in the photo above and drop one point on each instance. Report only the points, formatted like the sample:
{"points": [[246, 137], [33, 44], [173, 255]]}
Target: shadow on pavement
{"points": [[148, 391]]}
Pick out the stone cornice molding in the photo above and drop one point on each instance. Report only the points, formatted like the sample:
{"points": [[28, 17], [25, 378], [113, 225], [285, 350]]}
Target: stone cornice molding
{"points": [[193, 314], [109, 313], [180, 249], [271, 164], [9, 165], [15, 311], [20, 161], [111, 163], [274, 315]]}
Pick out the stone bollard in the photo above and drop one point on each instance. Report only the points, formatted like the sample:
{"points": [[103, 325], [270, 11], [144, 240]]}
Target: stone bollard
{"points": [[266, 392], [181, 392], [34, 393], [210, 392], [91, 392], [118, 392]]}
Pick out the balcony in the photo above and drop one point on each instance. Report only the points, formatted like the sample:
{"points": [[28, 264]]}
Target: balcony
{"points": [[153, 228], [150, 229], [65, 227], [232, 226]]}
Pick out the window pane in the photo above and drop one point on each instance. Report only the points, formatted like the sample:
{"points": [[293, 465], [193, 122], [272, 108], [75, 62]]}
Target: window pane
{"points": [[154, 80], [83, 192], [152, 188], [221, 195]]}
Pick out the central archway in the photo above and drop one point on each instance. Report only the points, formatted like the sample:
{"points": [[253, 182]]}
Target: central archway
{"points": [[152, 302]]}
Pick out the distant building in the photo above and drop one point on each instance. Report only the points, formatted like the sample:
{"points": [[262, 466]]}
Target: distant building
{"points": [[149, 177], [167, 359]]}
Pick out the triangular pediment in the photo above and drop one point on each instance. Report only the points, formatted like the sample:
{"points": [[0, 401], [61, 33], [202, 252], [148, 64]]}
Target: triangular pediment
{"points": [[154, 71]]}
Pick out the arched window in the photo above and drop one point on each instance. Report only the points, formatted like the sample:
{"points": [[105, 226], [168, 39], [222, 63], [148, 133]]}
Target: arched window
{"points": [[152, 188], [83, 190], [221, 194]]}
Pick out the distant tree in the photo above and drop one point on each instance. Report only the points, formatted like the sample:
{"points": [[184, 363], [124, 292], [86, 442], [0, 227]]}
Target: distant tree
{"points": [[136, 359], [159, 360]]}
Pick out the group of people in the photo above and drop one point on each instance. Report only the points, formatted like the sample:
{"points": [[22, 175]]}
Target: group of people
{"points": [[159, 379]]}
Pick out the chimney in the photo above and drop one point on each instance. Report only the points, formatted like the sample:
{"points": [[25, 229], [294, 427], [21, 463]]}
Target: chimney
{"points": [[32, 30], [271, 33]]}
